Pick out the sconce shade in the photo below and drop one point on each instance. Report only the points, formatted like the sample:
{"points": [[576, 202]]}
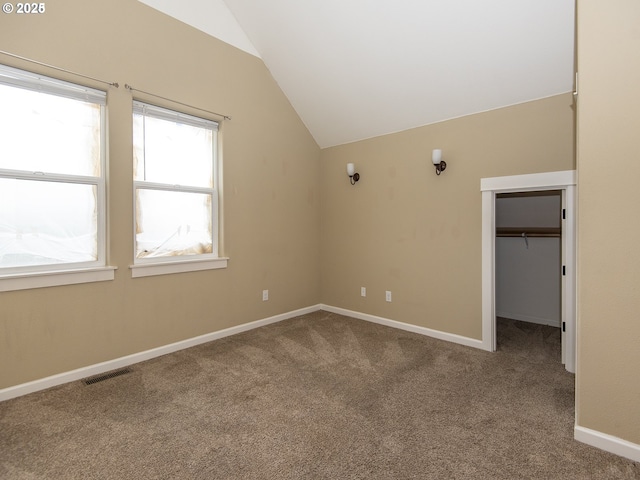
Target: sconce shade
{"points": [[436, 156], [351, 169], [353, 175]]}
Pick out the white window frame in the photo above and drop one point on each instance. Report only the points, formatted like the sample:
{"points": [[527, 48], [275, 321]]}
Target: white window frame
{"points": [[144, 267], [36, 276]]}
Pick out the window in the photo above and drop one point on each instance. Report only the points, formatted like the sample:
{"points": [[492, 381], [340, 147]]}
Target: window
{"points": [[52, 187], [175, 187]]}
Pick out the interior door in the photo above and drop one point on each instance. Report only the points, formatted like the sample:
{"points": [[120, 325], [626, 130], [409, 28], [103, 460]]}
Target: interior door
{"points": [[563, 281], [569, 275]]}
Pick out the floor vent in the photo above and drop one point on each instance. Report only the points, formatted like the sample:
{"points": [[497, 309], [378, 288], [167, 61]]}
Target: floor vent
{"points": [[106, 376]]}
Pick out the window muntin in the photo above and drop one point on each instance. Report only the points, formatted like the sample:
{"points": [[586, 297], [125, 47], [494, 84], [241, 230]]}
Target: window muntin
{"points": [[52, 159], [174, 185]]}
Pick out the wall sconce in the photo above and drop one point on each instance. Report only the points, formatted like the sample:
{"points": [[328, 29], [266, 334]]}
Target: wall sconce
{"points": [[436, 158], [353, 175]]}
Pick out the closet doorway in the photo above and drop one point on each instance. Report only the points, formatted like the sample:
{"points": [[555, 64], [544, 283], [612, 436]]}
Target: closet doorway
{"points": [[550, 187], [528, 255]]}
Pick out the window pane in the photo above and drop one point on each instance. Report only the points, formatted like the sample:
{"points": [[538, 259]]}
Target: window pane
{"points": [[172, 223], [44, 223], [172, 153], [47, 133]]}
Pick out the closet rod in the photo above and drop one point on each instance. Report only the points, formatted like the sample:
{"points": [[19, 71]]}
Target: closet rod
{"points": [[529, 232]]}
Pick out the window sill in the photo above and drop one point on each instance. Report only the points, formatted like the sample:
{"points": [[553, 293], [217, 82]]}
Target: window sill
{"points": [[182, 266], [25, 281]]}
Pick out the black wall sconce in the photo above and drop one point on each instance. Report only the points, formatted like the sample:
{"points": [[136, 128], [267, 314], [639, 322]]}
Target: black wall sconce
{"points": [[436, 158], [353, 175]]}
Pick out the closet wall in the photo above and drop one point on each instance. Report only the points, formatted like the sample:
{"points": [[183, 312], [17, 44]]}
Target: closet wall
{"points": [[528, 267]]}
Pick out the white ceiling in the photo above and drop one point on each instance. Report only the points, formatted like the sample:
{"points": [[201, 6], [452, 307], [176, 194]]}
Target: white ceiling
{"points": [[355, 69]]}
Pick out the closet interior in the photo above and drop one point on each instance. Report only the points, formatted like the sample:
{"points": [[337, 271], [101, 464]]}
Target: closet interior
{"points": [[528, 256]]}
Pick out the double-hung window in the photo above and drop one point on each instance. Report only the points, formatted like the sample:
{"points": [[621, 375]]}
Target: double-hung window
{"points": [[175, 188], [52, 181]]}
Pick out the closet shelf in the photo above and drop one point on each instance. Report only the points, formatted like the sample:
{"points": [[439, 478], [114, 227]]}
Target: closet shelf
{"points": [[550, 232]]}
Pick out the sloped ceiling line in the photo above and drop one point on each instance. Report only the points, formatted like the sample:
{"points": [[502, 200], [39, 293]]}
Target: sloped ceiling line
{"points": [[364, 68]]}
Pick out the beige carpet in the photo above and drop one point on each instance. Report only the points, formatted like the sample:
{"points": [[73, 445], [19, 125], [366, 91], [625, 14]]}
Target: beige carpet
{"points": [[319, 396]]}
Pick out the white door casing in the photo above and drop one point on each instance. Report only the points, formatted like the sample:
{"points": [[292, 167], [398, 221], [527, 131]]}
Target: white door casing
{"points": [[490, 187]]}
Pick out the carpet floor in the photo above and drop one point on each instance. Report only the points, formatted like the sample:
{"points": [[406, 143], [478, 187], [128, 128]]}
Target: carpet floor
{"points": [[321, 396]]}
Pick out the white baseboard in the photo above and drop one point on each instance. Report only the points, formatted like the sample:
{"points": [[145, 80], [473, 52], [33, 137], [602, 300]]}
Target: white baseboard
{"points": [[594, 438], [98, 368], [449, 337], [608, 443], [530, 319]]}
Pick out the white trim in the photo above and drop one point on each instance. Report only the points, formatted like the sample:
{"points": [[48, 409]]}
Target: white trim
{"points": [[24, 281], [98, 368], [565, 180], [594, 438], [151, 269], [449, 337], [570, 297], [488, 270], [530, 182], [608, 443]]}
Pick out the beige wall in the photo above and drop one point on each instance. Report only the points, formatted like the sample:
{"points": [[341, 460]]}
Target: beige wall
{"points": [[608, 377], [404, 229], [271, 192], [293, 223]]}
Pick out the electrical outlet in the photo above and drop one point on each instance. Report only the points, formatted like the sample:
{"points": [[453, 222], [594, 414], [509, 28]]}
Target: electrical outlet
{"points": [[388, 296], [363, 291], [265, 295]]}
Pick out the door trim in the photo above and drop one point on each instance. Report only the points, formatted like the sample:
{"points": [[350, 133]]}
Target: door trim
{"points": [[490, 187]]}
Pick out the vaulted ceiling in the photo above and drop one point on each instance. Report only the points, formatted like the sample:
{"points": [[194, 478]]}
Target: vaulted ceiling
{"points": [[355, 69]]}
